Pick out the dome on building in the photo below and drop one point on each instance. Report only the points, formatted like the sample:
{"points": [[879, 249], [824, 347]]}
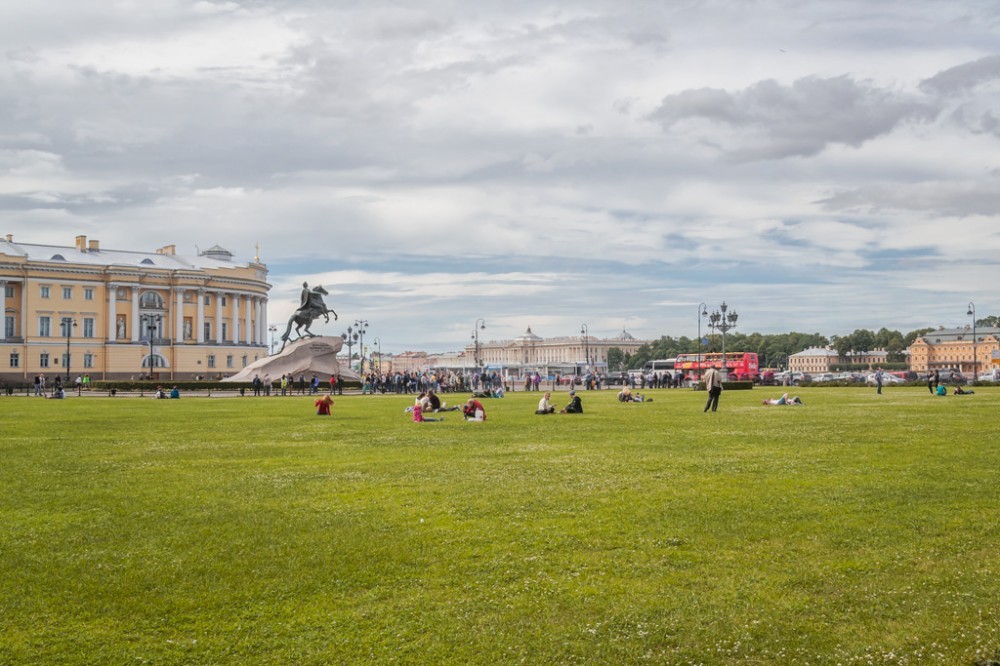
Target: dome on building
{"points": [[217, 252], [528, 336]]}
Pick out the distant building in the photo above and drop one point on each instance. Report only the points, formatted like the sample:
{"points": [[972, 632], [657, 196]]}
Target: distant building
{"points": [[123, 314], [822, 359], [952, 349], [566, 354]]}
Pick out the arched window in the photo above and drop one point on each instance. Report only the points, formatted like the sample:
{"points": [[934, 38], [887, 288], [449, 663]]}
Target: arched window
{"points": [[151, 300]]}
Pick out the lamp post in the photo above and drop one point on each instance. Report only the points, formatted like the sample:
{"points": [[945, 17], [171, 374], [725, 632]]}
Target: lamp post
{"points": [[724, 321], [68, 325], [975, 360], [478, 326], [350, 338], [152, 326], [378, 346], [702, 312], [585, 332], [361, 325], [272, 328]]}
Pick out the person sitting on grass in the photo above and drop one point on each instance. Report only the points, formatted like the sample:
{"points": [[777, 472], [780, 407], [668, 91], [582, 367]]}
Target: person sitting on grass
{"points": [[784, 400], [474, 410], [961, 391], [323, 404], [175, 393], [436, 404], [418, 413], [575, 405], [543, 405], [941, 390]]}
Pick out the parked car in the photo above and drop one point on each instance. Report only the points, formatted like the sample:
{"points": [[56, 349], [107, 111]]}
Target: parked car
{"points": [[887, 378]]}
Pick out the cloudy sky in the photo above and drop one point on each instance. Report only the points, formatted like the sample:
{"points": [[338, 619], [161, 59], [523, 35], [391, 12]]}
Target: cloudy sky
{"points": [[820, 166]]}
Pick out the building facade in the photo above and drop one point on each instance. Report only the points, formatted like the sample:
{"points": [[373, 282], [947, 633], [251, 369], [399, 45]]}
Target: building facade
{"points": [[953, 349], [822, 359], [116, 314], [564, 354]]}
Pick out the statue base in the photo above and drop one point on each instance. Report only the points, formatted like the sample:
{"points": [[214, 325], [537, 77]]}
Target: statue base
{"points": [[304, 356]]}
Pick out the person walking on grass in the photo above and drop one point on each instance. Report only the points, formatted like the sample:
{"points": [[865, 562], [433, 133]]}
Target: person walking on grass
{"points": [[713, 383]]}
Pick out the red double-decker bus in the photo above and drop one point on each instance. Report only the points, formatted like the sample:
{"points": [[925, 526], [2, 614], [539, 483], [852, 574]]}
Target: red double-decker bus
{"points": [[741, 365]]}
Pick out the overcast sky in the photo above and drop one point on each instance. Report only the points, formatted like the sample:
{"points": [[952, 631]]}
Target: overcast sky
{"points": [[819, 166]]}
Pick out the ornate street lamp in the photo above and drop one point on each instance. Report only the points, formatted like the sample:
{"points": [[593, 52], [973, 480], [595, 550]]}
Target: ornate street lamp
{"points": [[478, 326], [378, 346], [361, 325], [68, 325], [724, 321], [152, 326], [975, 360], [702, 312], [273, 328]]}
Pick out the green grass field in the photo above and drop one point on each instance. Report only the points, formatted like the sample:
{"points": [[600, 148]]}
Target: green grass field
{"points": [[858, 529]]}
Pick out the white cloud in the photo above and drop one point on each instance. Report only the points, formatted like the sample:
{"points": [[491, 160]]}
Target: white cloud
{"points": [[537, 165]]}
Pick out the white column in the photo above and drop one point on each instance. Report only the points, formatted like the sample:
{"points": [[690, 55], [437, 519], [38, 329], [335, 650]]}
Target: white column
{"points": [[3, 309], [112, 310], [218, 317], [249, 320], [179, 318], [199, 334], [261, 324], [265, 333], [135, 313]]}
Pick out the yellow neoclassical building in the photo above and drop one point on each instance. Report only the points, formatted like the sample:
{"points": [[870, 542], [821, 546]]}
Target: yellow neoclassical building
{"points": [[117, 314], [953, 349]]}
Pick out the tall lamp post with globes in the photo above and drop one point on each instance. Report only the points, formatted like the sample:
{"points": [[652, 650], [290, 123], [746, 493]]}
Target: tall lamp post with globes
{"points": [[68, 325], [975, 360], [273, 328], [478, 326], [585, 332], [152, 326], [702, 312], [361, 325], [350, 338], [724, 321]]}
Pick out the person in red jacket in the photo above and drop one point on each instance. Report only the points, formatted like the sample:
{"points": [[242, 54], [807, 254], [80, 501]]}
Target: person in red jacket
{"points": [[323, 404], [474, 410]]}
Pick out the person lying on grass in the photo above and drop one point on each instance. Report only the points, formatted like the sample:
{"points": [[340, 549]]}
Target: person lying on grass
{"points": [[784, 400]]}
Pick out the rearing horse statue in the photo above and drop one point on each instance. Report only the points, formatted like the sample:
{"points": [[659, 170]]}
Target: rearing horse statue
{"points": [[311, 308]]}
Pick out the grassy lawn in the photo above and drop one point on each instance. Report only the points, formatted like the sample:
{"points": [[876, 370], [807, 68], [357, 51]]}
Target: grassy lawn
{"points": [[858, 529]]}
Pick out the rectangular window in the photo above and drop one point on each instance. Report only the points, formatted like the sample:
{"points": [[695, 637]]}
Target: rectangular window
{"points": [[88, 294], [211, 360], [8, 326], [208, 299], [45, 292], [43, 360], [225, 331], [44, 327], [229, 360], [8, 291], [65, 360], [67, 293], [208, 330], [223, 301], [15, 359], [88, 360], [88, 327]]}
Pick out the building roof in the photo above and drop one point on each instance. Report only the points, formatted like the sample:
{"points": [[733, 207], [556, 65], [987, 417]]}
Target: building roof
{"points": [[813, 352], [943, 335], [214, 257]]}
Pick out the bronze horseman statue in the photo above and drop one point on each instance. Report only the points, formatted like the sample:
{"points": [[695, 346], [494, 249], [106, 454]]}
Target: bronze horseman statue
{"points": [[311, 308]]}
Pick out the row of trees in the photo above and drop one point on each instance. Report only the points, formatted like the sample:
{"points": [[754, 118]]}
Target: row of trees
{"points": [[773, 350]]}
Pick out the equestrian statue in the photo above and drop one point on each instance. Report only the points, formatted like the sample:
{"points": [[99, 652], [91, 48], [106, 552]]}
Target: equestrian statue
{"points": [[311, 308]]}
